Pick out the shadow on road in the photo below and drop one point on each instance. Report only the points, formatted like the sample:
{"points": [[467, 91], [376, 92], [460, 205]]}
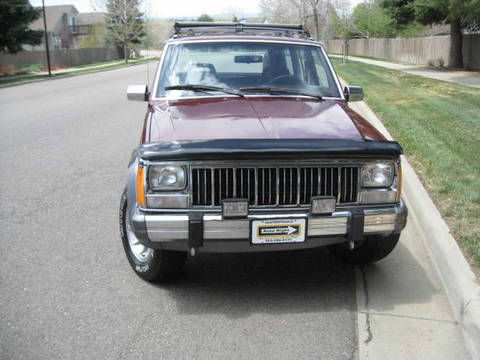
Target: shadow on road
{"points": [[237, 285]]}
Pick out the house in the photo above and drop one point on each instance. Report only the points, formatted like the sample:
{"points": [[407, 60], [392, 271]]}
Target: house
{"points": [[68, 29]]}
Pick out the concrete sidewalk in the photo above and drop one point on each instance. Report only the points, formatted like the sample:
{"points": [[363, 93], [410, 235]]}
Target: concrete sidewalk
{"points": [[403, 307], [466, 78]]}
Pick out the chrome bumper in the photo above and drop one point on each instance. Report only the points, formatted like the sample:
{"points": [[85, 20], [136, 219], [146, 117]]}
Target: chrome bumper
{"points": [[173, 230]]}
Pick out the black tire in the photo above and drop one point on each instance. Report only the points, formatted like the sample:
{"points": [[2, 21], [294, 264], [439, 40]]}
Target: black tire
{"points": [[372, 249], [161, 264]]}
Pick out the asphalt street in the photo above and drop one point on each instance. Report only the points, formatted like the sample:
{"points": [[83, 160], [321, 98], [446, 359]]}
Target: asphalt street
{"points": [[66, 288]]}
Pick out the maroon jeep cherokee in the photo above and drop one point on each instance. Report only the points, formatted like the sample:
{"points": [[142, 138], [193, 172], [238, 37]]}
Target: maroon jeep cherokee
{"points": [[249, 145]]}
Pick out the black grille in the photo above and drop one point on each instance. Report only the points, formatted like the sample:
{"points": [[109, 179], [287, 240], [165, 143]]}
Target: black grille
{"points": [[273, 186]]}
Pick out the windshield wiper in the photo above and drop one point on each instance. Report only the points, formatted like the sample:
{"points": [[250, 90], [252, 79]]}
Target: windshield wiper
{"points": [[274, 90], [203, 88]]}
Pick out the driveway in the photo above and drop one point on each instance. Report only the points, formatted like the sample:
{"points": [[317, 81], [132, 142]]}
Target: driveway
{"points": [[67, 291]]}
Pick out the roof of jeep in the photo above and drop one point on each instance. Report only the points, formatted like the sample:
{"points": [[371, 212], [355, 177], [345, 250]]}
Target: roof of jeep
{"points": [[240, 38]]}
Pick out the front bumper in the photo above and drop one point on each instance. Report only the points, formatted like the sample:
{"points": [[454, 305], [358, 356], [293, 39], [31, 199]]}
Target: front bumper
{"points": [[209, 232]]}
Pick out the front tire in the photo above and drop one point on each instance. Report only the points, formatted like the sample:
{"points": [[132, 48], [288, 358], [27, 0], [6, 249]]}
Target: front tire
{"points": [[152, 265], [372, 249]]}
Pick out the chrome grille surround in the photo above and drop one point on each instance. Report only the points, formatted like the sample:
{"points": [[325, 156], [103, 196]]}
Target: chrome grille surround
{"points": [[273, 185]]}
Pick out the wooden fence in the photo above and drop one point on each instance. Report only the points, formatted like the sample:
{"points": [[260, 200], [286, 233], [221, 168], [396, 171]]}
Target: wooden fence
{"points": [[58, 58], [420, 50]]}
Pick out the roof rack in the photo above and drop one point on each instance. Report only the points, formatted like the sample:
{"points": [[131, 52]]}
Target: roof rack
{"points": [[216, 28]]}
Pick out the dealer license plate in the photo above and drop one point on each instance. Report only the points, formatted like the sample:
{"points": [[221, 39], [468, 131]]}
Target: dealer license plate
{"points": [[278, 231]]}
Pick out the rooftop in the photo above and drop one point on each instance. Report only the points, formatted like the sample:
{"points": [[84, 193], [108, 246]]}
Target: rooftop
{"points": [[53, 14]]}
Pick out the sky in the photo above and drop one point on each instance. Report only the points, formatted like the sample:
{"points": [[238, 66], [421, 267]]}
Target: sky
{"points": [[175, 8]]}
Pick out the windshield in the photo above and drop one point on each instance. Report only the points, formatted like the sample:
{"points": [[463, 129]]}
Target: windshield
{"points": [[247, 66]]}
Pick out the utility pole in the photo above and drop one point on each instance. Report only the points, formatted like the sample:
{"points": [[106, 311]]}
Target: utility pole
{"points": [[46, 38]]}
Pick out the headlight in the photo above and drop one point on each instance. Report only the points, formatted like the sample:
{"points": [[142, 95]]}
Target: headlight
{"points": [[167, 177], [377, 175]]}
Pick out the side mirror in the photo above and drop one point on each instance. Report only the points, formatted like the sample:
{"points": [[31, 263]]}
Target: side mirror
{"points": [[353, 93], [137, 92]]}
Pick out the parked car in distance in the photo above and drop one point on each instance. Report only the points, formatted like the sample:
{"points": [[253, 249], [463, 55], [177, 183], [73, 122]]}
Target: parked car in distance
{"points": [[249, 145]]}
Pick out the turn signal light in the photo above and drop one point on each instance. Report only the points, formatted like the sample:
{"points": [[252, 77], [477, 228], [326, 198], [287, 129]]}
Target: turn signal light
{"points": [[400, 181], [141, 186]]}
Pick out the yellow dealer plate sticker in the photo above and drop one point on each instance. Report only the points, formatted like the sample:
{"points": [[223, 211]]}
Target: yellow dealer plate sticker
{"points": [[278, 231]]}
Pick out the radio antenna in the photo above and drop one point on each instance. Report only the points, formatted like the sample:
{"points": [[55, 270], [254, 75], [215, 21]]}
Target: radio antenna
{"points": [[148, 41]]}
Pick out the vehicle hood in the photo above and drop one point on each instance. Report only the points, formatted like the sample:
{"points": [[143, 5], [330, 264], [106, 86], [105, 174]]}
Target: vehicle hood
{"points": [[256, 118]]}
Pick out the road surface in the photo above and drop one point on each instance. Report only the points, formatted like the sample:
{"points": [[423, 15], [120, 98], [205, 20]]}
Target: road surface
{"points": [[67, 290]]}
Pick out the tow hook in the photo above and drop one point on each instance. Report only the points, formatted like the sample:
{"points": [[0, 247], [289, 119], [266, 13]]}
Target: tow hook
{"points": [[195, 231], [356, 224]]}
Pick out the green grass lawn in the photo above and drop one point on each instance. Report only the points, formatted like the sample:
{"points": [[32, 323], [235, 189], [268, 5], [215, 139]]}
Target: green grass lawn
{"points": [[100, 66], [438, 125]]}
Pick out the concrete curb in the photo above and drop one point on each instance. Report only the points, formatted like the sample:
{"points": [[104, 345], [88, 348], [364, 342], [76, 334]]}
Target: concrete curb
{"points": [[457, 278]]}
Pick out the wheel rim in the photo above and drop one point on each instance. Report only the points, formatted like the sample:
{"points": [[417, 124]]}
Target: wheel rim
{"points": [[140, 252]]}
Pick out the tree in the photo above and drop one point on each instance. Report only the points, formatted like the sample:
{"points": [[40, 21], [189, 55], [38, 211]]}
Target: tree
{"points": [[15, 16], [157, 31], [343, 25], [341, 28], [281, 11], [125, 24], [294, 11], [314, 6], [205, 18], [370, 20], [402, 12], [460, 14], [314, 9], [95, 36]]}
